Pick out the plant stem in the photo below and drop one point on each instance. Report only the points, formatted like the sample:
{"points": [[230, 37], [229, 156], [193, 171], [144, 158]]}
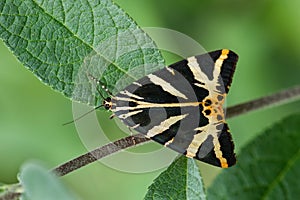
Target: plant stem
{"points": [[284, 96], [99, 153], [10, 196], [127, 142], [11, 192], [281, 97]]}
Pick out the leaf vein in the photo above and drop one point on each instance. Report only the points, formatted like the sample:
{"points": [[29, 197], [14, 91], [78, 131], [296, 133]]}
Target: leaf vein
{"points": [[281, 175]]}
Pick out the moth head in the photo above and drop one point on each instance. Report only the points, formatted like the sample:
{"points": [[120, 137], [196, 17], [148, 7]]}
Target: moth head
{"points": [[107, 103]]}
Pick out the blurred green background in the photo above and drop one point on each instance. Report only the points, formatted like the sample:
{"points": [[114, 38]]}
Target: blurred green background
{"points": [[265, 34]]}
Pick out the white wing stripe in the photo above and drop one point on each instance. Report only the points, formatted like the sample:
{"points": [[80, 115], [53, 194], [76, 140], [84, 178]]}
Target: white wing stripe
{"points": [[166, 86], [165, 125]]}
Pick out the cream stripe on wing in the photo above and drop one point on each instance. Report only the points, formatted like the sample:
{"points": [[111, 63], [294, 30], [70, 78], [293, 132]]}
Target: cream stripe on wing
{"points": [[165, 86], [218, 66], [218, 152], [200, 76], [124, 116], [164, 125], [196, 70], [198, 139], [138, 84], [204, 131], [171, 70], [212, 130], [125, 92], [142, 105]]}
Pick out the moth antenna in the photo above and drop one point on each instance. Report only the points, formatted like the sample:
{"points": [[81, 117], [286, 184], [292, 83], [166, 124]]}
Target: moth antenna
{"points": [[106, 90], [98, 82], [78, 118]]}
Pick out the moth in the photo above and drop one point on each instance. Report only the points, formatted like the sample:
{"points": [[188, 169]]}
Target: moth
{"points": [[181, 107]]}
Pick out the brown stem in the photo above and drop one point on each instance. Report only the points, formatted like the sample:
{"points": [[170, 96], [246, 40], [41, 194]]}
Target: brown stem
{"points": [[124, 143], [10, 196], [99, 153], [281, 97], [127, 142], [11, 192]]}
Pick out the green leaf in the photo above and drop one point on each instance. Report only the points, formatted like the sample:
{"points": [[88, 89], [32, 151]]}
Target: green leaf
{"points": [[2, 187], [267, 168], [62, 42], [39, 183], [180, 181]]}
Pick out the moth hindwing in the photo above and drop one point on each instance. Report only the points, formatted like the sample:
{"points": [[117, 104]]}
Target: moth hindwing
{"points": [[181, 107]]}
